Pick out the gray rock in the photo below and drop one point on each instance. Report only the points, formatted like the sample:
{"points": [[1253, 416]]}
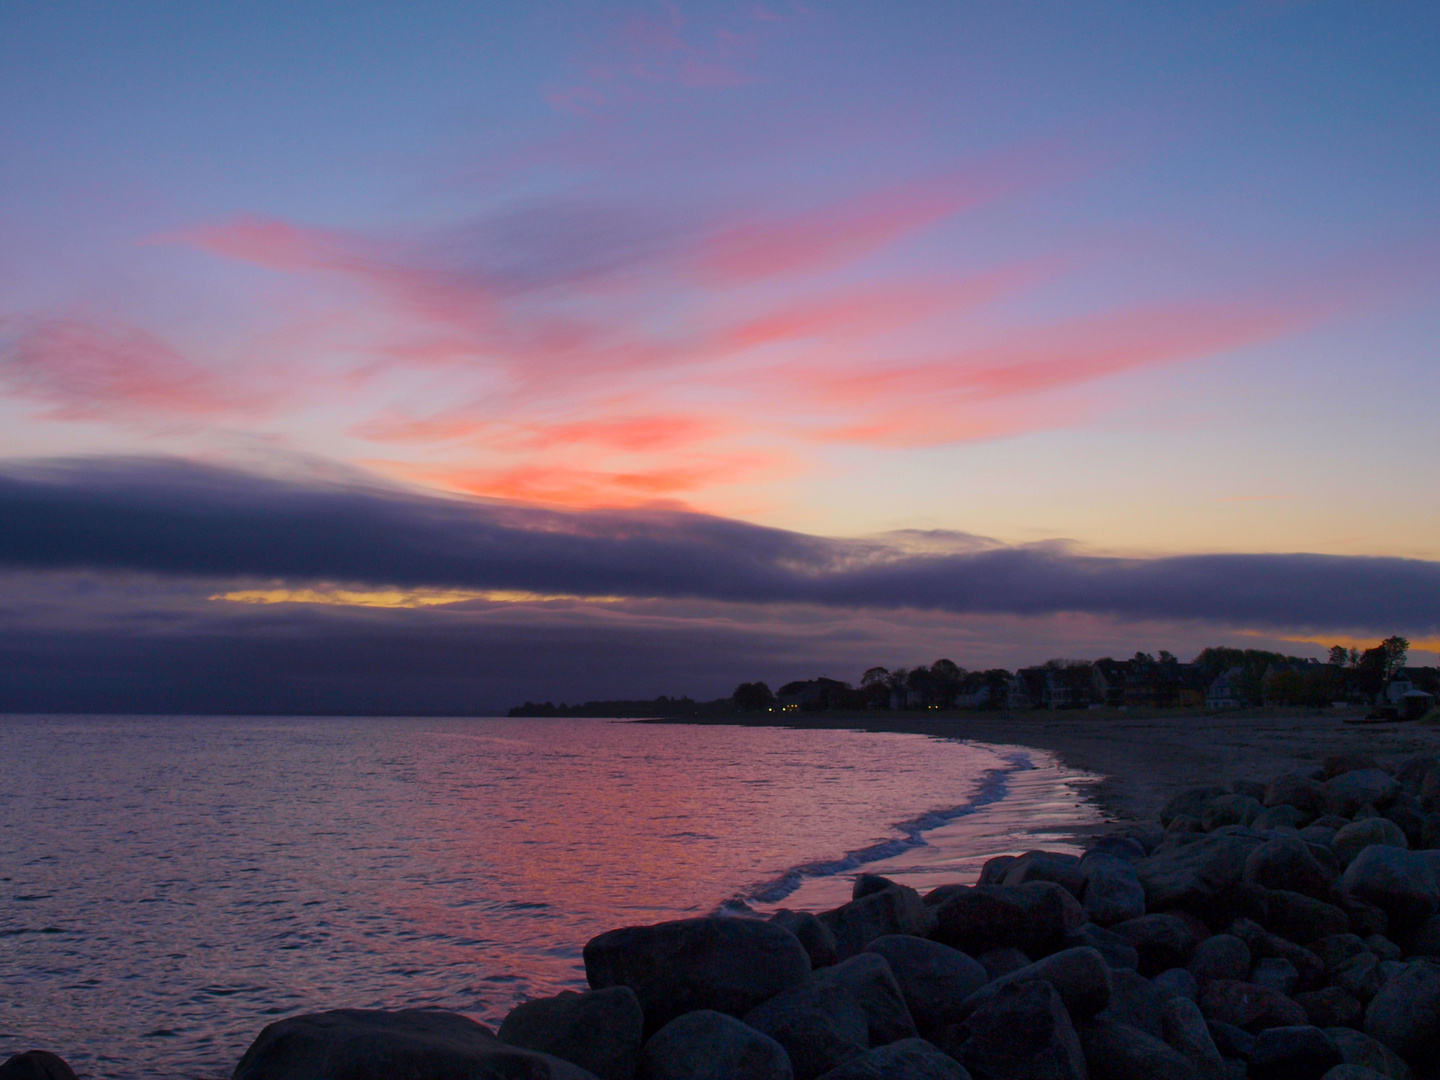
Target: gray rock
{"points": [[1118, 952], [1297, 790], [1297, 917], [709, 1045], [1023, 1033], [1135, 1002], [1302, 1052], [1424, 940], [1288, 863], [361, 1044], [1190, 875], [1360, 976], [1080, 976], [1318, 835], [1337, 949], [1062, 869], [820, 1027], [1220, 956], [1035, 918], [1263, 943], [897, 909], [865, 884], [729, 965], [1332, 1007], [1128, 848], [1112, 892], [1405, 1014], [813, 935], [933, 978], [1360, 1049], [1358, 835], [36, 1065], [601, 1031], [1275, 972], [995, 869], [1248, 1006], [1383, 947], [1282, 816], [1229, 810], [1350, 791], [1231, 1041], [1186, 1032], [1176, 982], [1353, 1072], [1399, 882], [908, 1059], [1115, 1051], [1161, 941], [998, 962], [868, 980], [1346, 761], [1190, 802], [1254, 788], [1184, 823]]}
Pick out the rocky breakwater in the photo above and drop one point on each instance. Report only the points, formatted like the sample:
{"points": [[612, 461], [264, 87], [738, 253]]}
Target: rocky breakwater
{"points": [[1282, 931]]}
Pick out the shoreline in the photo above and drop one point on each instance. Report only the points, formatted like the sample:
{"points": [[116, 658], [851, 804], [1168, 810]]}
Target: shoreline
{"points": [[1141, 760]]}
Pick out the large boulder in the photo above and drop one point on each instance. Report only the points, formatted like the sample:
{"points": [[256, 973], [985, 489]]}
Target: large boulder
{"points": [[868, 980], [1293, 1053], [1062, 869], [1135, 1002], [1297, 790], [1405, 1014], [361, 1044], [1360, 1049], [1300, 918], [1080, 976], [1358, 835], [1035, 918], [729, 965], [1262, 943], [1115, 1051], [1248, 1006], [1332, 1007], [1277, 973], [1190, 802], [36, 1065], [1348, 792], [908, 1059], [820, 1027], [1399, 882], [600, 1031], [895, 909], [1112, 893], [1288, 862], [1191, 875], [1360, 975], [1229, 810], [1023, 1033], [709, 1045], [1163, 940], [813, 935], [1118, 952], [933, 978], [1220, 956], [1185, 1030]]}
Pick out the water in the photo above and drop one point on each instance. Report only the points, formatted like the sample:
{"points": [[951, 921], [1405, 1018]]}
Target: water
{"points": [[169, 885]]}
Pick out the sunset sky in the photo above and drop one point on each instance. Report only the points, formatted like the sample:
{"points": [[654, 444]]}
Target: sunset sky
{"points": [[464, 353]]}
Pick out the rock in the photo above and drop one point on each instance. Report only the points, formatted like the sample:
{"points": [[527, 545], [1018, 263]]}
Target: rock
{"points": [[1360, 976], [1115, 1051], [709, 1045], [361, 1044], [1359, 1049], [1190, 875], [1161, 941], [1248, 1006], [1352, 1072], [1331, 1007], [868, 980], [1409, 820], [908, 1059], [1190, 802], [1253, 788], [994, 870], [998, 962], [1035, 918], [1399, 882], [1283, 816], [1424, 940], [1231, 1041], [1430, 831], [1297, 790], [1348, 792], [1337, 949], [1383, 947], [1365, 919], [1277, 973], [1080, 976], [1185, 1030], [1347, 761], [1318, 835], [1184, 823], [1300, 918], [897, 909], [36, 1065], [1302, 1052], [1220, 956], [1135, 1002], [1229, 810], [865, 884], [1176, 982], [1405, 1014], [1118, 952], [814, 936], [1023, 1033], [1412, 771], [1111, 891], [933, 978], [601, 1031], [729, 965], [1366, 811], [1288, 863], [1263, 943], [1333, 822], [820, 1027], [1062, 869], [1122, 847], [1358, 835]]}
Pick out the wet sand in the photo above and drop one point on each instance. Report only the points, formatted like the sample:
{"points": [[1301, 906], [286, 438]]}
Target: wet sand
{"points": [[1145, 760]]}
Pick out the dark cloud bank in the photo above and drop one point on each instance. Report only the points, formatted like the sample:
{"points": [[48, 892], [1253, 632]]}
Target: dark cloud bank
{"points": [[180, 521]]}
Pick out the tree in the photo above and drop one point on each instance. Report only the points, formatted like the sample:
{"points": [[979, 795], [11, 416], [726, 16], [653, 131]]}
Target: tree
{"points": [[1397, 651], [874, 675], [752, 697], [1339, 656], [1167, 657]]}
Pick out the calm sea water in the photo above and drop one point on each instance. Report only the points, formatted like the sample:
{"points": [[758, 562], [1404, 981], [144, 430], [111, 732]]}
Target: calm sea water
{"points": [[169, 885]]}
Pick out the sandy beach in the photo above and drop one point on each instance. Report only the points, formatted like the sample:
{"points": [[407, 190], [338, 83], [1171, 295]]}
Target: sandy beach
{"points": [[1145, 760]]}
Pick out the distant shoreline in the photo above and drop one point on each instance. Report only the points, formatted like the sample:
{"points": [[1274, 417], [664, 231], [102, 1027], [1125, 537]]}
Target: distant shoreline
{"points": [[1143, 759]]}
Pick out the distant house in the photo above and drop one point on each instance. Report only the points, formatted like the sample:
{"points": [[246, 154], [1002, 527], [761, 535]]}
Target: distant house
{"points": [[1107, 679], [810, 695], [1026, 689], [974, 692], [1226, 690]]}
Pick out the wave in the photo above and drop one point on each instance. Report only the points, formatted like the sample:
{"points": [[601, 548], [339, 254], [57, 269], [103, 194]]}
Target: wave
{"points": [[994, 786]]}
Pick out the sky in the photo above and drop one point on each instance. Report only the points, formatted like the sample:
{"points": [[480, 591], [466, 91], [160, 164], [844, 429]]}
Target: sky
{"points": [[434, 357]]}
